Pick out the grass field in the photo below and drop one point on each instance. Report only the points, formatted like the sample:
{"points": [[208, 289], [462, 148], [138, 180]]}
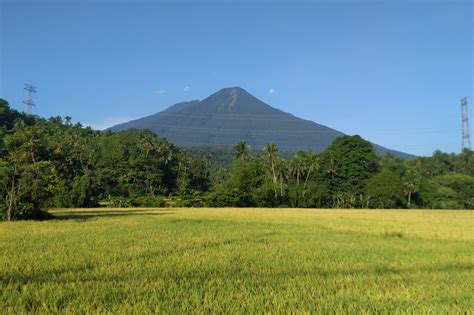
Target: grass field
{"points": [[239, 260]]}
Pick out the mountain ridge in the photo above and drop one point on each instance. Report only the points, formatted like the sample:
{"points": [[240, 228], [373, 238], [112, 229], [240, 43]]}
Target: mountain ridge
{"points": [[232, 114]]}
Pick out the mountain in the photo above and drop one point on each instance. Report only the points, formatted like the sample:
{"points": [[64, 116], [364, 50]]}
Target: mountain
{"points": [[231, 115]]}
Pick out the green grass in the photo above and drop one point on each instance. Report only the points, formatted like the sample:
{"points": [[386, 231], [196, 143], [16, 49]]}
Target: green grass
{"points": [[239, 260]]}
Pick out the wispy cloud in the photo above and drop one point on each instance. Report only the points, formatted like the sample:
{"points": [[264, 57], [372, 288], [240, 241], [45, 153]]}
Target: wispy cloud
{"points": [[272, 92], [160, 91], [186, 88]]}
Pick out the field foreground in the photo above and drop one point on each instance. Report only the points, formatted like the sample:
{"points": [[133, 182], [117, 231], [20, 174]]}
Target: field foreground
{"points": [[238, 260]]}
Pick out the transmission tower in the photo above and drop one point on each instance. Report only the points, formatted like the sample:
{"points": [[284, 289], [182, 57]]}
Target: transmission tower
{"points": [[29, 98], [466, 138]]}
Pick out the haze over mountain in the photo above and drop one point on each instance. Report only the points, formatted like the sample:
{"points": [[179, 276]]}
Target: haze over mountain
{"points": [[231, 115]]}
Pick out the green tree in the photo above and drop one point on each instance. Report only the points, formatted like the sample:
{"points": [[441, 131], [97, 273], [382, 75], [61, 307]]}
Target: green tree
{"points": [[311, 164], [297, 166], [281, 169], [26, 186], [463, 187], [392, 163], [411, 183], [243, 186], [346, 166], [271, 151], [446, 198], [241, 150], [384, 190]]}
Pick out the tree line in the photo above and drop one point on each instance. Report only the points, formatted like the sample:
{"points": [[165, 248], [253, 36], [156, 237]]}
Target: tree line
{"points": [[46, 163]]}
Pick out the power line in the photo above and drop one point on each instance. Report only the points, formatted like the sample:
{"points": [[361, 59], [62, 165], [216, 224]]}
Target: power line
{"points": [[466, 138], [29, 98]]}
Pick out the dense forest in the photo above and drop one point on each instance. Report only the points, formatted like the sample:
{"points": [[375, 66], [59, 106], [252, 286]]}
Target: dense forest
{"points": [[46, 163]]}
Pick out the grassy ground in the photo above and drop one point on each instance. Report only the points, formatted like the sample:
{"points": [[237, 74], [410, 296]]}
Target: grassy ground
{"points": [[239, 260]]}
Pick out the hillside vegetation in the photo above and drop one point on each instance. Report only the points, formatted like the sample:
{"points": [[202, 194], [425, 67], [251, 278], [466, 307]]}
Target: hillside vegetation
{"points": [[238, 261], [50, 163]]}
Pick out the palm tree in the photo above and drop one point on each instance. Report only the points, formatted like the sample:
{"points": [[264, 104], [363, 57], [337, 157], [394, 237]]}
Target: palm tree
{"points": [[167, 153], [281, 168], [332, 168], [311, 164], [146, 145], [297, 166], [272, 155], [411, 183], [408, 189], [241, 150]]}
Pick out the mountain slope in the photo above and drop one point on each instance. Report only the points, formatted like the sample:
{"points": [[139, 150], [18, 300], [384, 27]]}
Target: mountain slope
{"points": [[231, 115]]}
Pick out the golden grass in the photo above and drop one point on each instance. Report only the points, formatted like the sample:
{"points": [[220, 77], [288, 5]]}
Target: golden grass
{"points": [[437, 224], [182, 260]]}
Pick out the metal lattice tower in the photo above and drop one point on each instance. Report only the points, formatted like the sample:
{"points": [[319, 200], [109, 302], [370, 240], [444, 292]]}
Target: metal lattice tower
{"points": [[466, 138], [29, 98]]}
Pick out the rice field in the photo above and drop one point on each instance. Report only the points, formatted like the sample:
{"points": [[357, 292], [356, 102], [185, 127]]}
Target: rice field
{"points": [[239, 261]]}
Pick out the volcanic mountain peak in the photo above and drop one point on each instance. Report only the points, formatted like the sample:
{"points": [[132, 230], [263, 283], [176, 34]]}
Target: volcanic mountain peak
{"points": [[234, 95], [227, 93], [234, 100], [232, 114]]}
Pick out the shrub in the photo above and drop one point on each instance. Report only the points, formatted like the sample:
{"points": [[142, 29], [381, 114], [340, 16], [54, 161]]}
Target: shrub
{"points": [[148, 201], [126, 202]]}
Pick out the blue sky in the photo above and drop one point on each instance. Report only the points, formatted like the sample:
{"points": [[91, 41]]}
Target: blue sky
{"points": [[392, 71]]}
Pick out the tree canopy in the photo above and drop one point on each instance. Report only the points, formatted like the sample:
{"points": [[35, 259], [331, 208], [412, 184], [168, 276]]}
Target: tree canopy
{"points": [[52, 162]]}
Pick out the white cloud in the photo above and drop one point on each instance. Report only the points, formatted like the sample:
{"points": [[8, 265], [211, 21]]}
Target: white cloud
{"points": [[186, 88], [272, 92], [108, 122], [160, 92]]}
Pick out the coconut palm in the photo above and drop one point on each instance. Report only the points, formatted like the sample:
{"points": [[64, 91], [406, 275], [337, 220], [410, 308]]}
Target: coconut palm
{"points": [[241, 150], [297, 166], [411, 183], [311, 162], [332, 168], [408, 189], [271, 151], [281, 170], [146, 144]]}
